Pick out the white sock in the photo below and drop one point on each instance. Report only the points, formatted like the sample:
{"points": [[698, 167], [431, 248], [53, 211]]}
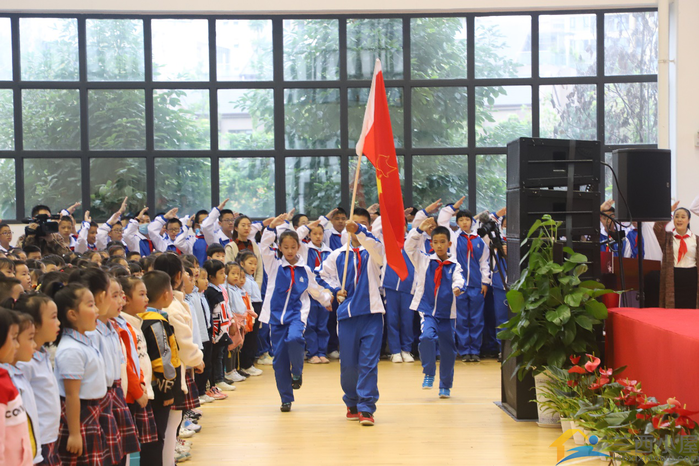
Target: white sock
{"points": [[173, 422]]}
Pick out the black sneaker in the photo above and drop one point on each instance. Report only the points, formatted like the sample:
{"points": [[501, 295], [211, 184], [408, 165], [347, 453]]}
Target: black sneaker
{"points": [[228, 381], [243, 373], [466, 358], [285, 407], [475, 358], [296, 382]]}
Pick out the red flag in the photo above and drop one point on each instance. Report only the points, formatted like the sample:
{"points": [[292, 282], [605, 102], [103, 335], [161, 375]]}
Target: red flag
{"points": [[376, 142]]}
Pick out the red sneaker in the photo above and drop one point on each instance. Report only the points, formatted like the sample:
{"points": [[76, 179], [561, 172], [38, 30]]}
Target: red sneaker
{"points": [[352, 414], [366, 419], [216, 394]]}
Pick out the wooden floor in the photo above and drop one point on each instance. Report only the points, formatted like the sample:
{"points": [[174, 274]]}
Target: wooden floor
{"points": [[413, 426]]}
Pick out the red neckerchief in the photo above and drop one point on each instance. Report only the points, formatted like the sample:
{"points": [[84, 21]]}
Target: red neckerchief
{"points": [[438, 274], [469, 238], [291, 267], [359, 263], [683, 246], [317, 257]]}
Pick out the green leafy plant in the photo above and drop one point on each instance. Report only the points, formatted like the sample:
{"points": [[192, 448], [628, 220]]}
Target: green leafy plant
{"points": [[554, 310]]}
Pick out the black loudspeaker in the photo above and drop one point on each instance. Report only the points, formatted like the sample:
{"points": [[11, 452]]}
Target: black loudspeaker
{"points": [[517, 396], [578, 210], [536, 162], [644, 181]]}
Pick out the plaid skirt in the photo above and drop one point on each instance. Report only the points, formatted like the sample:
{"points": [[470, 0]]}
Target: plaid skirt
{"points": [[111, 428], [94, 442], [49, 452], [127, 428], [191, 399], [145, 423]]}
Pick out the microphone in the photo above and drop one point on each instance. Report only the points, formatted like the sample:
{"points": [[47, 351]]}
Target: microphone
{"points": [[483, 217]]}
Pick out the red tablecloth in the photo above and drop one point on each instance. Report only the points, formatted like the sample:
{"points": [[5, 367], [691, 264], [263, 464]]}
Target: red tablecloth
{"points": [[660, 348]]}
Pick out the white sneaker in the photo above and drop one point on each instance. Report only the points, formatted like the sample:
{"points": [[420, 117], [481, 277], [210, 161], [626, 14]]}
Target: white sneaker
{"points": [[186, 433], [252, 370], [265, 360], [334, 355], [225, 387], [205, 399], [396, 358], [407, 357], [234, 376]]}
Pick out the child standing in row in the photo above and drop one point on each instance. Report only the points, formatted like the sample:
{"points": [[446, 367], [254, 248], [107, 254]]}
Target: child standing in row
{"points": [[286, 307], [39, 374]]}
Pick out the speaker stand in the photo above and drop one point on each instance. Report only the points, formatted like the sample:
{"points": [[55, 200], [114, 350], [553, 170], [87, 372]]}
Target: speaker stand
{"points": [[640, 254]]}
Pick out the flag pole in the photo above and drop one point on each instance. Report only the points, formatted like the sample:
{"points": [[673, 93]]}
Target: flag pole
{"points": [[349, 238]]}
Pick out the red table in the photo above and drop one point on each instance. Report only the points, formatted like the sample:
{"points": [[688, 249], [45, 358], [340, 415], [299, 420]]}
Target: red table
{"points": [[660, 348]]}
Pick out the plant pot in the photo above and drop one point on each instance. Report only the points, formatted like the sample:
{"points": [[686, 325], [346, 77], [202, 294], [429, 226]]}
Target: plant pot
{"points": [[566, 424], [547, 417], [578, 437]]}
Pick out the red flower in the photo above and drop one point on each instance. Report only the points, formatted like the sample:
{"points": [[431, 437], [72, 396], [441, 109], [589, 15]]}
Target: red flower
{"points": [[634, 431], [632, 400], [627, 383], [644, 417], [658, 422], [648, 404], [607, 372], [592, 364], [572, 383], [574, 359], [684, 421], [576, 370], [601, 382], [676, 407]]}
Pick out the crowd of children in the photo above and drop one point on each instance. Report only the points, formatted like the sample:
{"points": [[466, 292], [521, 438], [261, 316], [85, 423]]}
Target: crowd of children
{"points": [[113, 335]]}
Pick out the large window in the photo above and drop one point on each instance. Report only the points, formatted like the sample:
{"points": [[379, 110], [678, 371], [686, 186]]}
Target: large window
{"points": [[187, 111]]}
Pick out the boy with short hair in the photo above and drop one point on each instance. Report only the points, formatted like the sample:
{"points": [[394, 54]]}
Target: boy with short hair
{"points": [[216, 252], [87, 236], [473, 254], [217, 227], [336, 236], [359, 316], [162, 351], [439, 279], [5, 237]]}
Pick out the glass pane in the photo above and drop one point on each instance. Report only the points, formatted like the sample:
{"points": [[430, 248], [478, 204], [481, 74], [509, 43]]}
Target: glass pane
{"points": [[56, 181], [503, 113], [608, 178], [184, 183], [631, 113], [312, 118], [49, 49], [116, 119], [568, 111], [369, 39], [51, 119], [440, 117], [180, 49], [439, 176], [567, 45], [367, 192], [246, 119], [503, 46], [8, 202], [491, 182], [311, 49], [313, 184], [357, 99], [7, 120], [438, 48], [244, 50], [113, 179], [631, 43], [115, 50], [181, 119], [249, 184], [5, 50]]}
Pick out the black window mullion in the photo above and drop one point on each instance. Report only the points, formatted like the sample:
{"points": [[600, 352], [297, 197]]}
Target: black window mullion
{"points": [[279, 159], [17, 112], [150, 136], [213, 115], [407, 119], [471, 112], [84, 117], [536, 126], [346, 178], [601, 136]]}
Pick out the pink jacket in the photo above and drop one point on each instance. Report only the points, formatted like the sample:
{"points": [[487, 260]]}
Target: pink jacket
{"points": [[15, 445]]}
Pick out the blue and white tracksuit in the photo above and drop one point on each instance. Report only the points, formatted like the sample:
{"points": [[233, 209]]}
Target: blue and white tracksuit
{"points": [[359, 318], [285, 309], [399, 317], [434, 300], [470, 305], [164, 243]]}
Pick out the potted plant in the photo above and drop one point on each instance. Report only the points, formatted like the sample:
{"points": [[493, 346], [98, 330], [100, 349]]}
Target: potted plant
{"points": [[554, 311]]}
